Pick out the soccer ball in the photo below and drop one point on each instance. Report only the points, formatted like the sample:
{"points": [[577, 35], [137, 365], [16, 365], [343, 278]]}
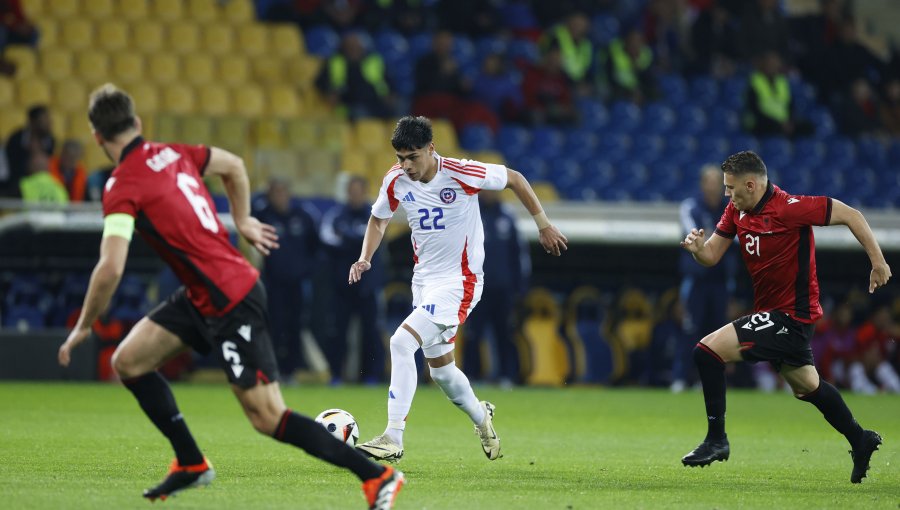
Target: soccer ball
{"points": [[341, 424]]}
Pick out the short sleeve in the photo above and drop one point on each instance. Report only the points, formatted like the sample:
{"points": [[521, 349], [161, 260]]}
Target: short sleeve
{"points": [[802, 211], [726, 227], [475, 175], [119, 197], [387, 203], [197, 154]]}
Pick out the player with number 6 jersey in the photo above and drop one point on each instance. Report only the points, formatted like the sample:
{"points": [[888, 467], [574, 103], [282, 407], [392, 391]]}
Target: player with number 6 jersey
{"points": [[440, 198], [158, 189], [774, 230]]}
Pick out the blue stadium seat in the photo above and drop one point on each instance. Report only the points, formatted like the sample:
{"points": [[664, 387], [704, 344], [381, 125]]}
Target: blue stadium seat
{"points": [[823, 122], [566, 176], [704, 90], [68, 299], [580, 144], [734, 90], [594, 114], [744, 142], [476, 138], [604, 28], [803, 96], [402, 77], [776, 152], [625, 116], [485, 46], [523, 51], [796, 179], [27, 290], [713, 148], [530, 167], [658, 119], [322, 41], [613, 147], [860, 185], [691, 119], [391, 45], [680, 148], [463, 50], [723, 121], [546, 143], [512, 140], [598, 175], [841, 152], [23, 318], [872, 151], [631, 176], [647, 149], [828, 180], [893, 153], [673, 88], [808, 152]]}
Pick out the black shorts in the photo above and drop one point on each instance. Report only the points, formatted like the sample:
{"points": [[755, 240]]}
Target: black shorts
{"points": [[240, 337], [775, 337]]}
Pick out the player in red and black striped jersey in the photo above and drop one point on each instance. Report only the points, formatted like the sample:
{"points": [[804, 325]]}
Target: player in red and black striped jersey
{"points": [[774, 230], [158, 189]]}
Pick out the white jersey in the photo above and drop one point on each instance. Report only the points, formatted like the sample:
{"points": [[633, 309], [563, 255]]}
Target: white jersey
{"points": [[447, 236]]}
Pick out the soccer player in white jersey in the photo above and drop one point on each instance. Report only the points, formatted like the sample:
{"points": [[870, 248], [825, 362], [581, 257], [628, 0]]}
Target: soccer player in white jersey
{"points": [[440, 198]]}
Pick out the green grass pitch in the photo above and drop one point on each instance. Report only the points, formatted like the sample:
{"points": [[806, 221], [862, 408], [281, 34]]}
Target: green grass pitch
{"points": [[86, 446]]}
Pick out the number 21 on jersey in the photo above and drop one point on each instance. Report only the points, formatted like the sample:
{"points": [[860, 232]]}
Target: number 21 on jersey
{"points": [[189, 186], [752, 244]]}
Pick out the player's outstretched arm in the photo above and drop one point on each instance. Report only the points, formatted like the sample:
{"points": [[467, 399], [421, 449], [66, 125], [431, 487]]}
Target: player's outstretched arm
{"points": [[707, 253], [553, 241], [374, 234], [237, 186], [843, 214], [104, 280]]}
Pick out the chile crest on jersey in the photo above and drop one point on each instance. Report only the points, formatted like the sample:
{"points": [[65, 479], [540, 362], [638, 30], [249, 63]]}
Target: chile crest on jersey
{"points": [[448, 195]]}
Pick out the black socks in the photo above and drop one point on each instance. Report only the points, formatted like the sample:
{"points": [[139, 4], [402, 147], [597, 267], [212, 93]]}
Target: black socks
{"points": [[827, 399], [712, 374]]}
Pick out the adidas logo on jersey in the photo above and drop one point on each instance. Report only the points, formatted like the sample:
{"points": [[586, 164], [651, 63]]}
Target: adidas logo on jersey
{"points": [[409, 197], [428, 308]]}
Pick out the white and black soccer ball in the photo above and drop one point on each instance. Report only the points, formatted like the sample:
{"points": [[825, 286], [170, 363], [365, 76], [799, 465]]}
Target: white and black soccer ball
{"points": [[341, 424]]}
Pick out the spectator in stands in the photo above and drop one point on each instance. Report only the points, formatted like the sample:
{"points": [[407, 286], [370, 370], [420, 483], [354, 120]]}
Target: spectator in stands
{"points": [[287, 271], [813, 36], [874, 342], [861, 112], [547, 91], [576, 49], [705, 291], [404, 16], [342, 14], [343, 229], [498, 89], [507, 268], [96, 183], [890, 107], [834, 344], [629, 69], [353, 81], [473, 17], [15, 28], [762, 30], [39, 186], [68, 169], [769, 103], [854, 60], [22, 144], [666, 30], [714, 47]]}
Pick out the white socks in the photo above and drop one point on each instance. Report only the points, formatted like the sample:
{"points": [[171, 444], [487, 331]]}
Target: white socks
{"points": [[887, 377], [403, 382], [457, 388]]}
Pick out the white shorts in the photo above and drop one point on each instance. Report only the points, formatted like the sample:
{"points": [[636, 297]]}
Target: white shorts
{"points": [[447, 305]]}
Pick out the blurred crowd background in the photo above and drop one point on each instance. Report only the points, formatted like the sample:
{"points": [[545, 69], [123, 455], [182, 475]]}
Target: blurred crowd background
{"points": [[629, 103]]}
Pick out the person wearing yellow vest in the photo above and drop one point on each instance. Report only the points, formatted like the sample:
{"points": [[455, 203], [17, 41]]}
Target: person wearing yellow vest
{"points": [[39, 186], [575, 47], [629, 68], [768, 104], [353, 81], [69, 170]]}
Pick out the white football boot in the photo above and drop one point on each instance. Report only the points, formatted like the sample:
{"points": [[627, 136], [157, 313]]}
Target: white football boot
{"points": [[382, 448], [490, 443]]}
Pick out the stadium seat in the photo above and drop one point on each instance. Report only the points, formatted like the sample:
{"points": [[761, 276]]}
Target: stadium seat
{"points": [[23, 318], [127, 67], [692, 119], [218, 40], [723, 121], [512, 140], [734, 90], [823, 121], [673, 88], [48, 30], [613, 146], [658, 118], [131, 10], [391, 46], [282, 101], [808, 152], [7, 95], [92, 66], [286, 41], [567, 177], [76, 34], [301, 133], [631, 176], [355, 161], [776, 151], [488, 45], [198, 69], [231, 134], [371, 134], [253, 40], [604, 28], [148, 36], [25, 59], [77, 125], [61, 9], [99, 10], [69, 298], [164, 68], [704, 90], [196, 129], [167, 10], [178, 98], [796, 179], [302, 71], [523, 51], [11, 119], [596, 358], [533, 169], [321, 41], [546, 143], [744, 142], [268, 69], [203, 11], [69, 96], [580, 144], [145, 96], [215, 99], [841, 152], [872, 151], [268, 133], [680, 148], [32, 91], [113, 35], [183, 37], [463, 50], [234, 71], [549, 359], [239, 13], [248, 100], [594, 114], [625, 116], [444, 135], [647, 149], [476, 137]]}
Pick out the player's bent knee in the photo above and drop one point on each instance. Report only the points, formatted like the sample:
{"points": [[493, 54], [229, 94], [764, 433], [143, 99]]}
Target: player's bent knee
{"points": [[125, 365], [403, 342]]}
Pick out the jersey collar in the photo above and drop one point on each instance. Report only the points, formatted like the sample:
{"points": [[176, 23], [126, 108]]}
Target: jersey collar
{"points": [[131, 145], [770, 190]]}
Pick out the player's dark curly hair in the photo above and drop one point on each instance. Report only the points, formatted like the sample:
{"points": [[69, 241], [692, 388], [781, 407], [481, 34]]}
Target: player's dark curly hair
{"points": [[111, 111], [744, 162], [411, 133]]}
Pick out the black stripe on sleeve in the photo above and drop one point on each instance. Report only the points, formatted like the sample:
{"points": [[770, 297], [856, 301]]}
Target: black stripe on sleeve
{"points": [[801, 283], [828, 213], [724, 234], [202, 168]]}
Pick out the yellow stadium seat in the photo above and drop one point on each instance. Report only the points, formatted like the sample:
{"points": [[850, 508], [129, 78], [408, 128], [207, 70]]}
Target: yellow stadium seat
{"points": [[234, 70], [148, 123], [301, 133], [302, 71], [195, 129], [56, 63], [35, 9], [253, 40], [239, 12], [218, 39], [94, 157], [78, 126], [7, 94], [76, 34], [268, 69], [286, 40], [164, 68], [168, 127], [545, 192], [25, 59], [283, 101], [148, 36], [98, 9], [167, 10], [489, 157], [248, 100], [92, 66], [230, 134], [370, 134], [113, 35], [146, 98], [338, 135], [70, 96], [127, 67], [215, 100], [444, 136], [355, 161], [32, 91], [198, 69], [11, 119], [178, 98], [131, 10], [61, 9], [49, 32], [268, 133], [183, 37], [203, 11]]}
